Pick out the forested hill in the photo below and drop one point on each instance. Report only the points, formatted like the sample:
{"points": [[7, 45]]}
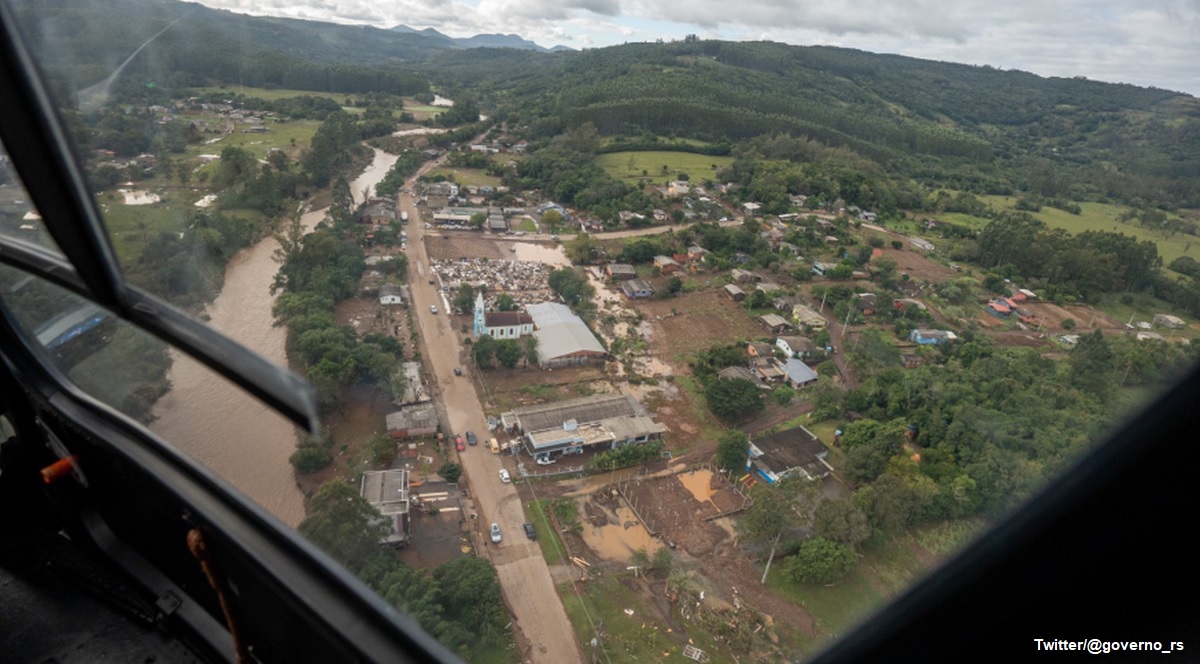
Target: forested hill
{"points": [[918, 115], [91, 38]]}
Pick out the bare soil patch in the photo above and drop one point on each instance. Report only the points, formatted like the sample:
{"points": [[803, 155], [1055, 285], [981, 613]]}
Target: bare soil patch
{"points": [[443, 245], [919, 267], [696, 321]]}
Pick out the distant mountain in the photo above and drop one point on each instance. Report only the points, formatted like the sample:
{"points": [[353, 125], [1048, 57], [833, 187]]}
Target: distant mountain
{"points": [[482, 41]]}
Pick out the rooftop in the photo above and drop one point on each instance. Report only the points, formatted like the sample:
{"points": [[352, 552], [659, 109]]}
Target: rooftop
{"points": [[386, 490], [584, 410], [788, 450], [560, 332]]}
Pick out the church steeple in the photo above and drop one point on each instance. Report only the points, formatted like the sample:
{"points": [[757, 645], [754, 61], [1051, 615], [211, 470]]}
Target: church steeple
{"points": [[480, 316]]}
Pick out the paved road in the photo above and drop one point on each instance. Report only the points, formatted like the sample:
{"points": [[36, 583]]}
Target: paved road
{"points": [[524, 576]]}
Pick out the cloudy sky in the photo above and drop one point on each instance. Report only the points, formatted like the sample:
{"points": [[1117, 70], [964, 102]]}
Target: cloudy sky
{"points": [[1145, 42]]}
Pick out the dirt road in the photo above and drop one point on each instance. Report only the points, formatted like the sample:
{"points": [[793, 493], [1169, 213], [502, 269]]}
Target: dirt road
{"points": [[524, 576]]}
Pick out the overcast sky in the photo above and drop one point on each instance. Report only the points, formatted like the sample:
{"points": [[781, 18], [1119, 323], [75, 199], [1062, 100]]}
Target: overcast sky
{"points": [[1144, 42]]}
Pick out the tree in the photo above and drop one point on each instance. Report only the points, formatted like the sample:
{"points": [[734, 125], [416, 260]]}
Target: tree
{"points": [[505, 302], [344, 524], [483, 350], [661, 561], [674, 285], [842, 522], [508, 352], [783, 394], [733, 449], [464, 299], [468, 591], [869, 445], [529, 347], [450, 471], [477, 220], [733, 398], [580, 249], [552, 220], [820, 561], [572, 287]]}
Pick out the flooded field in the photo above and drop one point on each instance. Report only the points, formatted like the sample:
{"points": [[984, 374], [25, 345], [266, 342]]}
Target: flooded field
{"points": [[540, 253], [699, 483], [619, 535]]}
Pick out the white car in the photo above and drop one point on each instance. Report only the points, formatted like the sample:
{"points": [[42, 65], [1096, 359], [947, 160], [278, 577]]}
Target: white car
{"points": [[504, 476], [495, 533], [433, 308]]}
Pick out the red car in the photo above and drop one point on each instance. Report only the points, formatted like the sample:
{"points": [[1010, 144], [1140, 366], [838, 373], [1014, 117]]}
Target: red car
{"points": [[458, 442]]}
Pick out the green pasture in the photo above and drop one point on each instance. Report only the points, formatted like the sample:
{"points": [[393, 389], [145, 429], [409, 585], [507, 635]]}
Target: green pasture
{"points": [[629, 165]]}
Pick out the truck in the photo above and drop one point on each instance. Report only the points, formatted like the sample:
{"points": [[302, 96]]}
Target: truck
{"points": [[404, 217]]}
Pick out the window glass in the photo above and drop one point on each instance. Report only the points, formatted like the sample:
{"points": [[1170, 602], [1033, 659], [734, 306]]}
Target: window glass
{"points": [[19, 219]]}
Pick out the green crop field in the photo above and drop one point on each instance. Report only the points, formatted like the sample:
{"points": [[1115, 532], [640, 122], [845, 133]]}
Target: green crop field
{"points": [[468, 176], [697, 166], [1103, 217], [270, 95]]}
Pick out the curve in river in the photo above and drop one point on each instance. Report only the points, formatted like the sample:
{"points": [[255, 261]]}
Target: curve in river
{"points": [[218, 424]]}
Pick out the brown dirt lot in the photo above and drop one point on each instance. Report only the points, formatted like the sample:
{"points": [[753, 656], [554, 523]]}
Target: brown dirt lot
{"points": [[705, 318], [918, 266], [455, 244], [670, 509], [1054, 316]]}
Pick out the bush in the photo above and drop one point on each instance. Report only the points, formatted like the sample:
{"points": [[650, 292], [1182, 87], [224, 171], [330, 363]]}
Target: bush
{"points": [[310, 457], [820, 561], [897, 245], [450, 471], [1069, 324]]}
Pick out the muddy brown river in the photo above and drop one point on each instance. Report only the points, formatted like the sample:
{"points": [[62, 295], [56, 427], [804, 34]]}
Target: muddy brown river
{"points": [[217, 423]]}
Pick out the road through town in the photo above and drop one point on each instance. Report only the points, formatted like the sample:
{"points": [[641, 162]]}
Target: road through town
{"points": [[524, 575]]}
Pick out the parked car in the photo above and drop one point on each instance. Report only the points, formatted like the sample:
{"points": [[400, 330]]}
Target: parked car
{"points": [[458, 443], [495, 533], [530, 532], [457, 371], [504, 476], [471, 438], [545, 461], [433, 308], [494, 446]]}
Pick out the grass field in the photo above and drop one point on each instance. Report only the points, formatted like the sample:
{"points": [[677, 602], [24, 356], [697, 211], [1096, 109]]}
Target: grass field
{"points": [[883, 570], [468, 176], [697, 166], [1103, 217], [291, 136], [552, 548], [273, 94]]}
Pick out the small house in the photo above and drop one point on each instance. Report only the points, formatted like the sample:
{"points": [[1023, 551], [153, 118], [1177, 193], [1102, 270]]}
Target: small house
{"points": [[666, 264], [808, 318], [620, 271], [744, 276], [637, 288], [1168, 321], [759, 349], [786, 453], [798, 373], [768, 369], [775, 323], [734, 293], [391, 294], [741, 373], [796, 346]]}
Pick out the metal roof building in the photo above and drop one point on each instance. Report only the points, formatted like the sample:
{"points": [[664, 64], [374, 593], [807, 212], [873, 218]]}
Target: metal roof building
{"points": [[611, 420], [563, 339], [387, 491]]}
